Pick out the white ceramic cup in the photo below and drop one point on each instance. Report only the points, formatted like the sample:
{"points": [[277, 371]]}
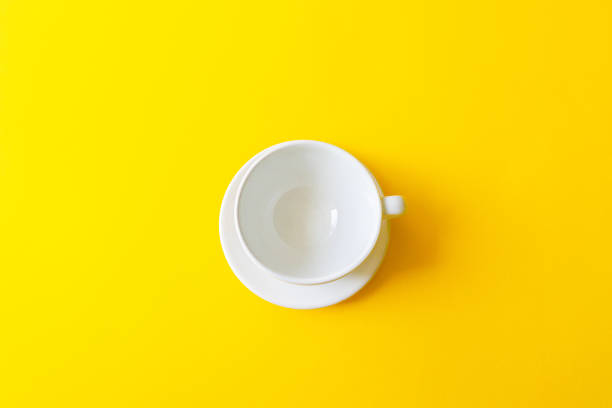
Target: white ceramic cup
{"points": [[308, 212]]}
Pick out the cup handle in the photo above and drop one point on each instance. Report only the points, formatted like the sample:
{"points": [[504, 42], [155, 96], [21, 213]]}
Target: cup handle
{"points": [[393, 206]]}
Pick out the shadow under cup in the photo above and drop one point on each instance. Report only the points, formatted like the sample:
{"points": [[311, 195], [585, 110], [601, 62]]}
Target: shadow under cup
{"points": [[308, 212]]}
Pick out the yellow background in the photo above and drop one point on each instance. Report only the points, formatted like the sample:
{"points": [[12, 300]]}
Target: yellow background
{"points": [[122, 123]]}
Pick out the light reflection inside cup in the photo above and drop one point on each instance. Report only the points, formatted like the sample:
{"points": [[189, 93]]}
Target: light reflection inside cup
{"points": [[305, 217]]}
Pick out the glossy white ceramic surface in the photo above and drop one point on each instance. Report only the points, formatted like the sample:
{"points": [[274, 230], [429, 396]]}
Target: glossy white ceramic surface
{"points": [[308, 212], [277, 291]]}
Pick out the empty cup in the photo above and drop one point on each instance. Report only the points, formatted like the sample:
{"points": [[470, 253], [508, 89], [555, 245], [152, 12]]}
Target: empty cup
{"points": [[308, 212]]}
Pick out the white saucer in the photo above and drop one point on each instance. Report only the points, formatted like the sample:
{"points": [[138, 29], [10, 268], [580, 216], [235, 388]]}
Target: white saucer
{"points": [[283, 293]]}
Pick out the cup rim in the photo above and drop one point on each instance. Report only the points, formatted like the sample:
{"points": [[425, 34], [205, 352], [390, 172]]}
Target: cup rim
{"points": [[338, 273]]}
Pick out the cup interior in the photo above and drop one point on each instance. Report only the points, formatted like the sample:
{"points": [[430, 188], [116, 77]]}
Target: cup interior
{"points": [[309, 212]]}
